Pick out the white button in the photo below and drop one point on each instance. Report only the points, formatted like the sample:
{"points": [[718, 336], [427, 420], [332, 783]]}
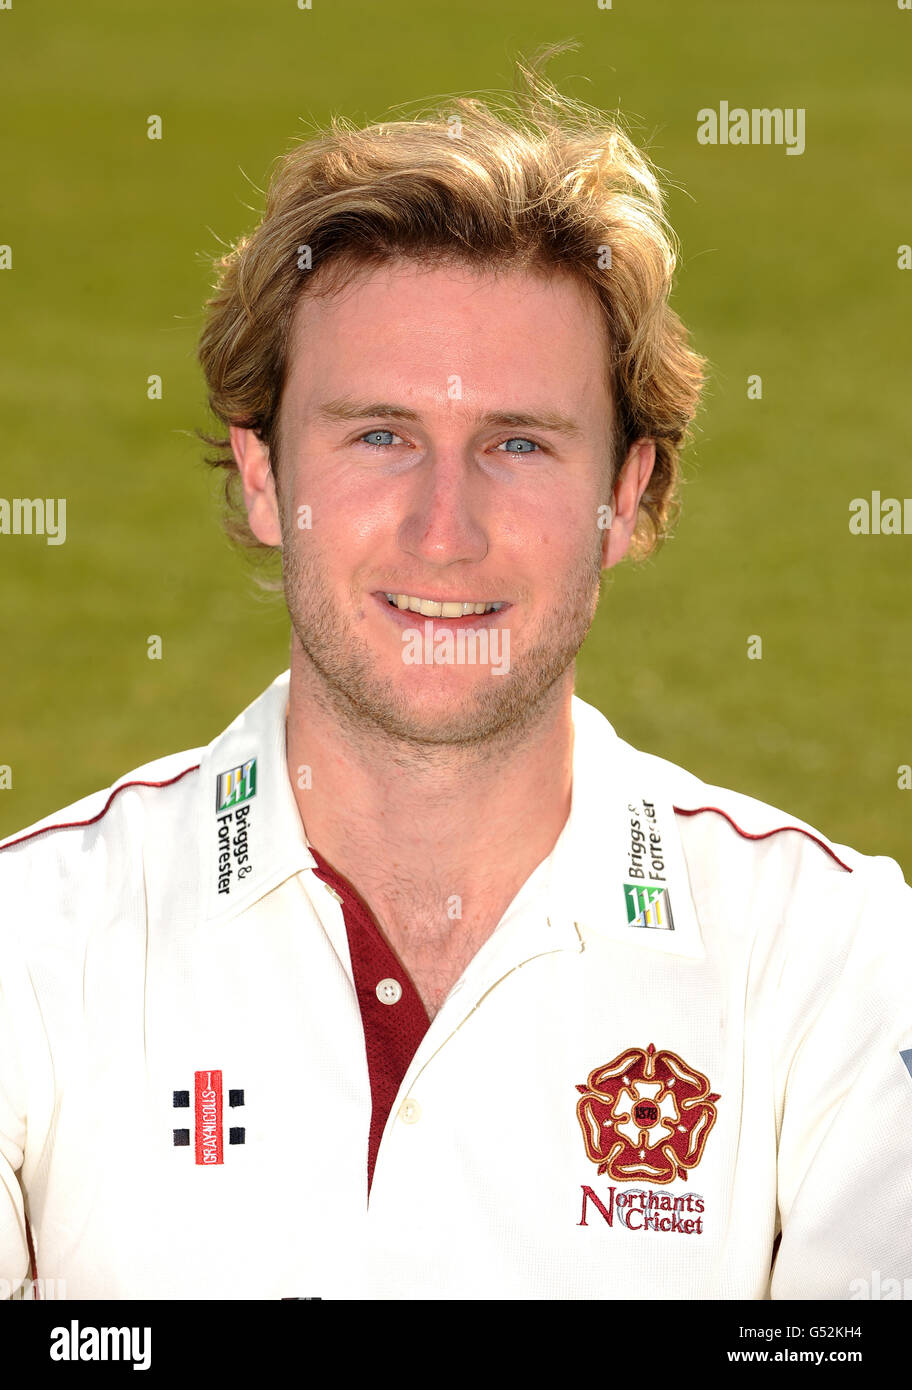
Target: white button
{"points": [[389, 991], [410, 1111]]}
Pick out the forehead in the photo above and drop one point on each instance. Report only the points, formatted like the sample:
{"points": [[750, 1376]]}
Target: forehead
{"points": [[412, 327]]}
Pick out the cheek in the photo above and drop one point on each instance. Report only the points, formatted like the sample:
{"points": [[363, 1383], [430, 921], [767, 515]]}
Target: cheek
{"points": [[360, 511], [337, 522], [551, 534]]}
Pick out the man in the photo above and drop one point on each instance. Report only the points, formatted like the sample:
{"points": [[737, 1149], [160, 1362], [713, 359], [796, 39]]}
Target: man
{"points": [[418, 981]]}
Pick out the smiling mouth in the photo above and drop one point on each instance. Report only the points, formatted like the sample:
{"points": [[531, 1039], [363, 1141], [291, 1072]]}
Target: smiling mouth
{"points": [[443, 608]]}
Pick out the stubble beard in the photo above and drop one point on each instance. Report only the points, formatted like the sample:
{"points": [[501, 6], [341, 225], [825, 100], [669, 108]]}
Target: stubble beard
{"points": [[338, 666]]}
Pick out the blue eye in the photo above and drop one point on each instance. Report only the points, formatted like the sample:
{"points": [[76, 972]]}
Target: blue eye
{"points": [[374, 444], [517, 439], [382, 439]]}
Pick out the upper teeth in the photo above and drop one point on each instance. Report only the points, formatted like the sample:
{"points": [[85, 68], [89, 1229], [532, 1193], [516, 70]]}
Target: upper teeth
{"points": [[432, 609]]}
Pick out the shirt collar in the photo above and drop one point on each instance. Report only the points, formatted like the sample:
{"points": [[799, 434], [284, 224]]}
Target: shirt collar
{"points": [[618, 869], [250, 833], [252, 839]]}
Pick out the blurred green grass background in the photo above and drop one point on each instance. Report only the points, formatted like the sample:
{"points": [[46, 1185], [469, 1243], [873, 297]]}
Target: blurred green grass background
{"points": [[788, 269]]}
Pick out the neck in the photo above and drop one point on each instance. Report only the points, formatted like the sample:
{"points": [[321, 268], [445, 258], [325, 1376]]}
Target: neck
{"points": [[454, 830]]}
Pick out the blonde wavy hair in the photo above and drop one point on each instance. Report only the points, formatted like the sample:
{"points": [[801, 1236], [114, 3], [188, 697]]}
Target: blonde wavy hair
{"points": [[544, 183]]}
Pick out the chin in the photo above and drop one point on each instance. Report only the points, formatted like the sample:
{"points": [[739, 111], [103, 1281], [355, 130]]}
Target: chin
{"points": [[444, 709]]}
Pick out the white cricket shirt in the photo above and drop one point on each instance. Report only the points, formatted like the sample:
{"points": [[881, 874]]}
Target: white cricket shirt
{"points": [[689, 1033]]}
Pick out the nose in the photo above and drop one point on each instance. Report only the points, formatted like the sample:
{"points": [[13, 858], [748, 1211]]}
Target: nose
{"points": [[445, 515]]}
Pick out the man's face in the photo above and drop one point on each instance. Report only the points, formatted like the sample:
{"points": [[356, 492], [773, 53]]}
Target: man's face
{"points": [[401, 472]]}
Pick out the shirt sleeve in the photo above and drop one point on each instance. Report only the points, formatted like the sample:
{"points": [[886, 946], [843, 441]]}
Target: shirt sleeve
{"points": [[14, 1255], [845, 1058]]}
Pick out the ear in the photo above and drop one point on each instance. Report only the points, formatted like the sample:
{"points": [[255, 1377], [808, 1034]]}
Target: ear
{"points": [[252, 459], [631, 483]]}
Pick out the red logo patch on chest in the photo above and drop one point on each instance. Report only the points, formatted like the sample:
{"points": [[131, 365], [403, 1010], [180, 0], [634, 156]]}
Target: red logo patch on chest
{"points": [[208, 1134], [208, 1098], [646, 1115]]}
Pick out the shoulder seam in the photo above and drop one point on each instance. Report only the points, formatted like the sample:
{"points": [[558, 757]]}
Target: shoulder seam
{"points": [[75, 824], [765, 834]]}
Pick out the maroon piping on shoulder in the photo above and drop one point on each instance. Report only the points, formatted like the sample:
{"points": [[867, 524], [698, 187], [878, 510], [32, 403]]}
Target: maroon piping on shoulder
{"points": [[73, 824], [765, 834]]}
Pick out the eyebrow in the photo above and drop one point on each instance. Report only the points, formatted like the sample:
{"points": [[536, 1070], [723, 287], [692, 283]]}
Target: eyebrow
{"points": [[345, 408]]}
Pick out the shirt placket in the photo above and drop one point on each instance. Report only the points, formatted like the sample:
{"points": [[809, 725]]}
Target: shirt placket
{"points": [[392, 1014], [399, 1038]]}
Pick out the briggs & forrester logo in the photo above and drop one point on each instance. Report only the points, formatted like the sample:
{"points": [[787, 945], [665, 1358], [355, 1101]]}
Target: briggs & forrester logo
{"points": [[236, 785], [646, 898], [648, 907], [233, 789]]}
